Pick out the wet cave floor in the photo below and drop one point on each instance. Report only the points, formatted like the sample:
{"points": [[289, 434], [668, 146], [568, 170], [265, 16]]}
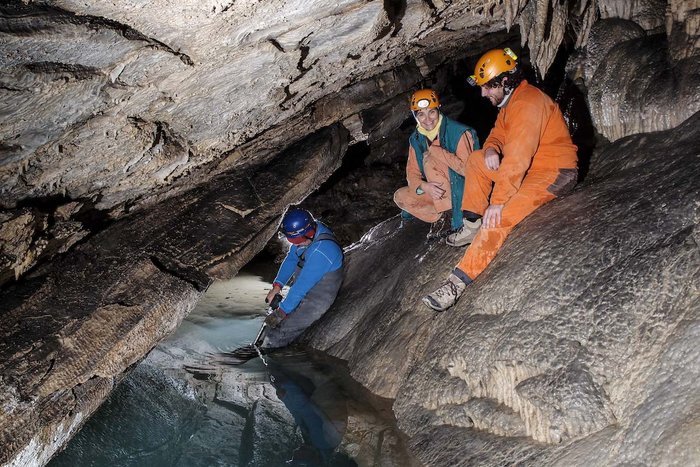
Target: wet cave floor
{"points": [[297, 408]]}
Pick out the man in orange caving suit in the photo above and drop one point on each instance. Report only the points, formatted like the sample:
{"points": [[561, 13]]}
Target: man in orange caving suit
{"points": [[527, 160]]}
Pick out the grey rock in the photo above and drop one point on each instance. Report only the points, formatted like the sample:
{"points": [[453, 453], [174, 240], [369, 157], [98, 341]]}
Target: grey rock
{"points": [[567, 347], [637, 89], [178, 120], [270, 435], [106, 304], [649, 14]]}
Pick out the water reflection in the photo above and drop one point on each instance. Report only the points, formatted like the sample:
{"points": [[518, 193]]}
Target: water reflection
{"points": [[319, 411], [297, 410]]}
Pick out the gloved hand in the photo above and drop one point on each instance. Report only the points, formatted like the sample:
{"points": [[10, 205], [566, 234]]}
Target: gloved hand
{"points": [[276, 300], [275, 317], [275, 290]]}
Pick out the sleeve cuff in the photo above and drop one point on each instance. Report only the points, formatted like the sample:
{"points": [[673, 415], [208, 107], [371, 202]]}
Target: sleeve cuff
{"points": [[277, 284]]}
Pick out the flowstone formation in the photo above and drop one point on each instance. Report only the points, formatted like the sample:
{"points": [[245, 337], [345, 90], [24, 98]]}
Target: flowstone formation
{"points": [[147, 148], [577, 346]]}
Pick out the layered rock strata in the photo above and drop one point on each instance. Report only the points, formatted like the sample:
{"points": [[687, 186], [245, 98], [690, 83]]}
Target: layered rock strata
{"points": [[112, 108], [118, 105], [72, 328]]}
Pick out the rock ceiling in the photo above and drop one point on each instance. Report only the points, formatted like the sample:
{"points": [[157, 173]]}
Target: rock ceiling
{"points": [[224, 113], [118, 105], [116, 101]]}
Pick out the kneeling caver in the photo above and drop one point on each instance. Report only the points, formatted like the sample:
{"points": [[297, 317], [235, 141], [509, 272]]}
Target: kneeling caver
{"points": [[314, 267]]}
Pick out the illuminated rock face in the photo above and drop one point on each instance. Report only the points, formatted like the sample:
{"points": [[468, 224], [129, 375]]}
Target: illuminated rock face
{"points": [[165, 138], [121, 101], [116, 106], [72, 329], [576, 346], [634, 84]]}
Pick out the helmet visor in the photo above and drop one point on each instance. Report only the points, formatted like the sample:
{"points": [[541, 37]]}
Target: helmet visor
{"points": [[295, 233]]}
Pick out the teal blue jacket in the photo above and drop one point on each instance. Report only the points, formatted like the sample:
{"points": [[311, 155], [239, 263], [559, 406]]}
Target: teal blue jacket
{"points": [[450, 133]]}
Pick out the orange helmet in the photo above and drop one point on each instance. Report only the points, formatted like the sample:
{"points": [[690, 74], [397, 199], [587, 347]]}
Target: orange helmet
{"points": [[424, 99], [491, 64]]}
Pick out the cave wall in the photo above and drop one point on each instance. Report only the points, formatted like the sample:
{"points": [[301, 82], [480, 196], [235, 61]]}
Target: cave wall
{"points": [[114, 106], [75, 325], [117, 106], [577, 346], [150, 148]]}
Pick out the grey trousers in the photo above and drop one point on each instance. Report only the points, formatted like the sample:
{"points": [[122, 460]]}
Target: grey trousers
{"points": [[317, 301]]}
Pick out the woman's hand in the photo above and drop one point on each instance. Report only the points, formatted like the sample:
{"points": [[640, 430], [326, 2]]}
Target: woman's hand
{"points": [[433, 189]]}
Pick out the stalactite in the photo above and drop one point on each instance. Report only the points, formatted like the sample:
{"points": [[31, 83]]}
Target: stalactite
{"points": [[590, 15], [513, 8], [543, 24]]}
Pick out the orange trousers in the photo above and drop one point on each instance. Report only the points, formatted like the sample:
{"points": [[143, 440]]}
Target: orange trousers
{"points": [[425, 208], [538, 187]]}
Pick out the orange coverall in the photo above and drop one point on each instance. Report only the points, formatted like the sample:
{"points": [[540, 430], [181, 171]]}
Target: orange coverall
{"points": [[436, 162], [538, 164]]}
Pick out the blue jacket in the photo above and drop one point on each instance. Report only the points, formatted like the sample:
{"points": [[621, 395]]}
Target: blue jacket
{"points": [[450, 133], [321, 257]]}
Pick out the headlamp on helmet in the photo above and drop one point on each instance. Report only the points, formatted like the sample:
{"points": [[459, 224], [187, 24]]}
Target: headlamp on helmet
{"points": [[424, 99]]}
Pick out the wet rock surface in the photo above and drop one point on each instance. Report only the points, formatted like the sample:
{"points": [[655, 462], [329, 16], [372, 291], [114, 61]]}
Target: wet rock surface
{"points": [[74, 327], [148, 148], [578, 335]]}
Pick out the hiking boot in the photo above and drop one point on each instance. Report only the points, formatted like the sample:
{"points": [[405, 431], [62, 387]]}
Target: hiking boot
{"points": [[447, 295], [465, 235]]}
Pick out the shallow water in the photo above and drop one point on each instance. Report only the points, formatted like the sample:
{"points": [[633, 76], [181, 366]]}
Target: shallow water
{"points": [[298, 406]]}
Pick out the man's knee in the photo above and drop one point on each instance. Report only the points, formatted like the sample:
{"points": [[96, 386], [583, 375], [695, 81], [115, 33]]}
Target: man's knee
{"points": [[476, 158], [519, 207]]}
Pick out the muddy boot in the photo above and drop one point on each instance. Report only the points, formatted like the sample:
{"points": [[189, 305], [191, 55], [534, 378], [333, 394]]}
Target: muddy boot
{"points": [[465, 234], [447, 295]]}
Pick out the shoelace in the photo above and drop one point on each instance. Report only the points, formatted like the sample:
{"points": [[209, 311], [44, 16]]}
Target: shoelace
{"points": [[443, 291]]}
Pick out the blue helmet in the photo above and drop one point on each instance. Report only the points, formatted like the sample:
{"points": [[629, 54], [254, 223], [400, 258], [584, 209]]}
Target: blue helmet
{"points": [[297, 223]]}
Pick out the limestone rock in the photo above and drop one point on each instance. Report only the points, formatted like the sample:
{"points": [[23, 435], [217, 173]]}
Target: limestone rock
{"points": [[636, 88], [122, 104], [104, 305], [29, 236], [19, 249], [604, 35], [135, 100], [683, 28], [270, 435], [194, 124], [567, 347], [649, 14]]}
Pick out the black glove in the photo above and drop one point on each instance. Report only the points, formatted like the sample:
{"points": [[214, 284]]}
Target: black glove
{"points": [[275, 317], [275, 303]]}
